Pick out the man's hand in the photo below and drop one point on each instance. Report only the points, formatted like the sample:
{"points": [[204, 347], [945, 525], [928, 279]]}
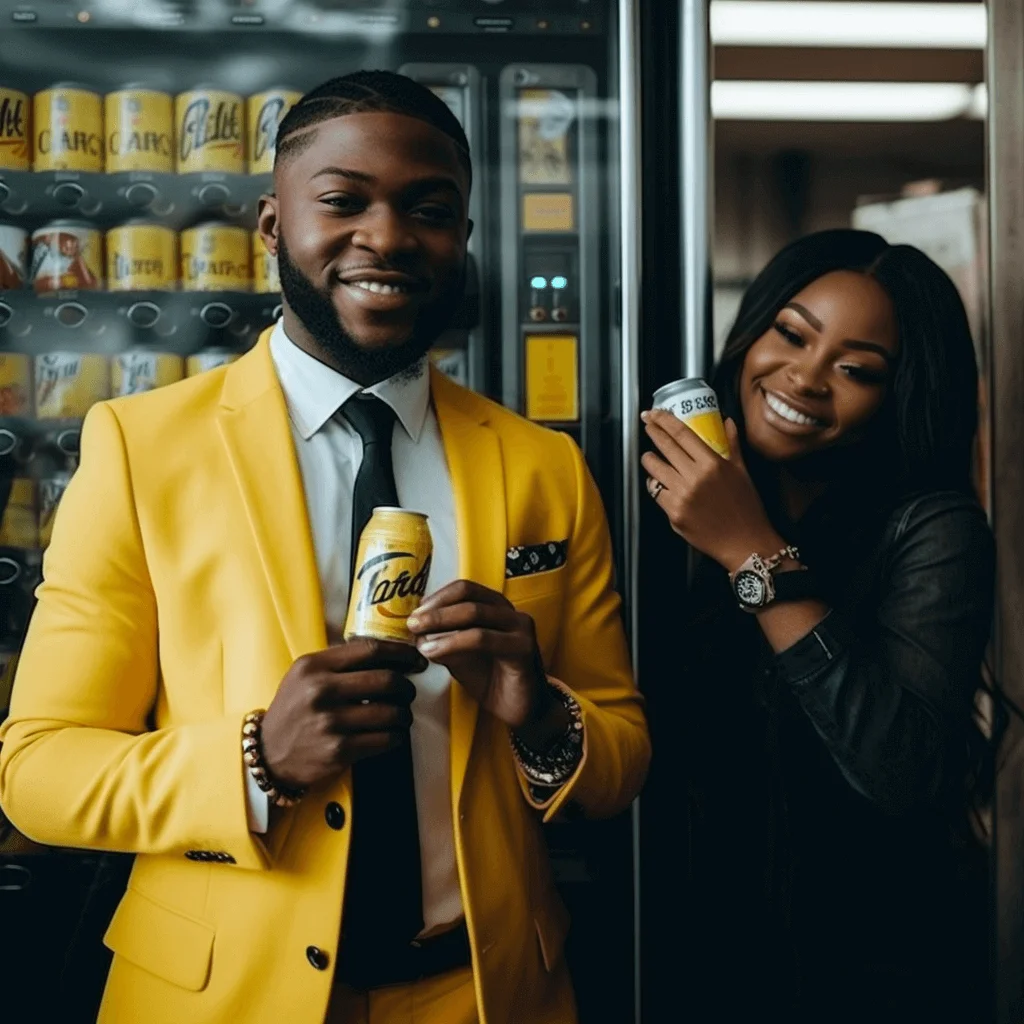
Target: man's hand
{"points": [[491, 650], [337, 706]]}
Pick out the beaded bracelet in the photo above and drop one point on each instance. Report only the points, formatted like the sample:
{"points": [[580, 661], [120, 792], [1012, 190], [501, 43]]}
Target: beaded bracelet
{"points": [[555, 766], [252, 755]]}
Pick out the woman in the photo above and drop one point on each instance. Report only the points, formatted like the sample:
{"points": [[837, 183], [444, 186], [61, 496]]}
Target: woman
{"points": [[829, 730]]}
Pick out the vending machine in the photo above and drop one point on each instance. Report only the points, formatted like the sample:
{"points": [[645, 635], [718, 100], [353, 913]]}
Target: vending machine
{"points": [[136, 137]]}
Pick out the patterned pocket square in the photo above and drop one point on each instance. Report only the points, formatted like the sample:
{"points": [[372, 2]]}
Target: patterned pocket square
{"points": [[530, 559]]}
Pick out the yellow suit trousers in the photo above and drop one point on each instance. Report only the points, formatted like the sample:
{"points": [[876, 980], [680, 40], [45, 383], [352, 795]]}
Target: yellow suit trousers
{"points": [[447, 999]]}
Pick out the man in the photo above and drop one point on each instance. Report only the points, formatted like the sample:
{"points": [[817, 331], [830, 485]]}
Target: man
{"points": [[363, 861]]}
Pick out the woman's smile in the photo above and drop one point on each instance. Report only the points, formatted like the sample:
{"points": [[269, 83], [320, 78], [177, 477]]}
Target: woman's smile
{"points": [[783, 414]]}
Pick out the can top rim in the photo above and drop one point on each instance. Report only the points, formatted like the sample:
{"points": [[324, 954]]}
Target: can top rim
{"points": [[138, 87], [209, 85], [216, 224], [277, 88], [683, 384], [395, 508], [81, 86], [64, 223]]}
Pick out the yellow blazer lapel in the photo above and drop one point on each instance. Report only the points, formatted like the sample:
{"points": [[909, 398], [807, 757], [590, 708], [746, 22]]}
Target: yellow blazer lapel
{"points": [[254, 425], [474, 458]]}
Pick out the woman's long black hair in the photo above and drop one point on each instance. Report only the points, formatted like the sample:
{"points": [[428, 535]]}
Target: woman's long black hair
{"points": [[923, 437]]}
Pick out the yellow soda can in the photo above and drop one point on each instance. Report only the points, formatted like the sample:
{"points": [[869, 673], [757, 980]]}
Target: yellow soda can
{"points": [[139, 129], [15, 384], [694, 402], [266, 109], [15, 133], [208, 359], [8, 665], [68, 384], [67, 129], [209, 131], [51, 490], [265, 278], [392, 569], [215, 258], [138, 370], [19, 526], [142, 256]]}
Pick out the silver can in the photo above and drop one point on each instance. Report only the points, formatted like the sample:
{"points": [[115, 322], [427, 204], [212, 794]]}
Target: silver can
{"points": [[694, 402]]}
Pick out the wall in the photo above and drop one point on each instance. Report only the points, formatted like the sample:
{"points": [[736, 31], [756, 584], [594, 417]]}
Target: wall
{"points": [[763, 200]]}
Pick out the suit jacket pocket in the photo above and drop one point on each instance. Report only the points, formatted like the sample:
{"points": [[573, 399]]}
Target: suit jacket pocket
{"points": [[529, 588], [162, 941]]}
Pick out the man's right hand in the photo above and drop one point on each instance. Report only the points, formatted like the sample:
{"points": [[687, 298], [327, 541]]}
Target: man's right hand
{"points": [[338, 706]]}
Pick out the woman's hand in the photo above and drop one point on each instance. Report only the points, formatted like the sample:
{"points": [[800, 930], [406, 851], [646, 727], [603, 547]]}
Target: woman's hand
{"points": [[711, 502]]}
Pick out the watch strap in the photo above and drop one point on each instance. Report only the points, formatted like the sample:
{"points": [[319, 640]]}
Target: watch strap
{"points": [[796, 585]]}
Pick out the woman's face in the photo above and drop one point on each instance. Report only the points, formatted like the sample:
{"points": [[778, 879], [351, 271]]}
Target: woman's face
{"points": [[818, 375]]}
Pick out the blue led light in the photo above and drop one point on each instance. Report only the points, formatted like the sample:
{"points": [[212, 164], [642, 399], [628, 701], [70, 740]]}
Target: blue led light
{"points": [[559, 282], [538, 282]]}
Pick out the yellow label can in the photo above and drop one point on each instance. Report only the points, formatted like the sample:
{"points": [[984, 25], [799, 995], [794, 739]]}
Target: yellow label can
{"points": [[392, 570], [8, 666], [265, 277], [142, 257], [139, 124], [15, 384], [266, 109], [214, 258], [19, 526], [208, 128], [68, 384], [51, 490], [15, 133], [208, 359], [67, 129], [137, 371]]}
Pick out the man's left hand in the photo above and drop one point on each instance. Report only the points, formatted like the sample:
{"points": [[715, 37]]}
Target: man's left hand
{"points": [[488, 647]]}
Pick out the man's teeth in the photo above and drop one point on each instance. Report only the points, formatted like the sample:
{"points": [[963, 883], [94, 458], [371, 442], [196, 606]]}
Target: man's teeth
{"points": [[779, 407], [380, 289]]}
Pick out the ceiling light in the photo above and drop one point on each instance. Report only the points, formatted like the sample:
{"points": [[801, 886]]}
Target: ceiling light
{"points": [[953, 26], [846, 101]]}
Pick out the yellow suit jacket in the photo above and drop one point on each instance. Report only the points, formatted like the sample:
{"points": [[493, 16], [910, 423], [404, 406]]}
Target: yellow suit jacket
{"points": [[180, 584]]}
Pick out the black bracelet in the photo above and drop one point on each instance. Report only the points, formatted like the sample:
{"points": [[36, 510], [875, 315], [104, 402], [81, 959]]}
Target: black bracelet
{"points": [[252, 755], [555, 766]]}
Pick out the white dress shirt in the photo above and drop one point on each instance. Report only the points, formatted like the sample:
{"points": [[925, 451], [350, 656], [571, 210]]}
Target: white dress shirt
{"points": [[329, 454]]}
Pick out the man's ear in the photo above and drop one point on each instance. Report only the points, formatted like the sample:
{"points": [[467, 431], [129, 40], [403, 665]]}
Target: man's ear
{"points": [[266, 221]]}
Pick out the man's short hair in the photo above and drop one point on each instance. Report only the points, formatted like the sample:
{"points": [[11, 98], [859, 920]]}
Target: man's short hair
{"points": [[365, 92]]}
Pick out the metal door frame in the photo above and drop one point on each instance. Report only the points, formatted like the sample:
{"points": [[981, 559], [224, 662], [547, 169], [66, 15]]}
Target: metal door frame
{"points": [[1005, 76]]}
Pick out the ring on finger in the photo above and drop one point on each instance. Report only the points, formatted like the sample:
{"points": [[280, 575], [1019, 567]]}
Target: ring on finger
{"points": [[654, 487]]}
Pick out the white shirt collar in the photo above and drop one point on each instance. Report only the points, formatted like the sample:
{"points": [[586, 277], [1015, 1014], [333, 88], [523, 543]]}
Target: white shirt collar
{"points": [[314, 392]]}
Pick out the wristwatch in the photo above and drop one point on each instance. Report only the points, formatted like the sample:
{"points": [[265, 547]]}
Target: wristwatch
{"points": [[756, 584]]}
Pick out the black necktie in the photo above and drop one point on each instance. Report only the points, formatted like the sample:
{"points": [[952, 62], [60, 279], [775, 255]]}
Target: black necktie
{"points": [[384, 891]]}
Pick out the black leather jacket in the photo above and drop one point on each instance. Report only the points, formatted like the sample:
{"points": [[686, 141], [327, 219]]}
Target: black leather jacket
{"points": [[826, 782]]}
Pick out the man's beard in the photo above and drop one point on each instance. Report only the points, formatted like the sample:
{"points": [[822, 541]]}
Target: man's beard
{"points": [[316, 311]]}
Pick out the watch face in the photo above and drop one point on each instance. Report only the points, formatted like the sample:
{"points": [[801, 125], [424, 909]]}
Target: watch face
{"points": [[750, 589]]}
